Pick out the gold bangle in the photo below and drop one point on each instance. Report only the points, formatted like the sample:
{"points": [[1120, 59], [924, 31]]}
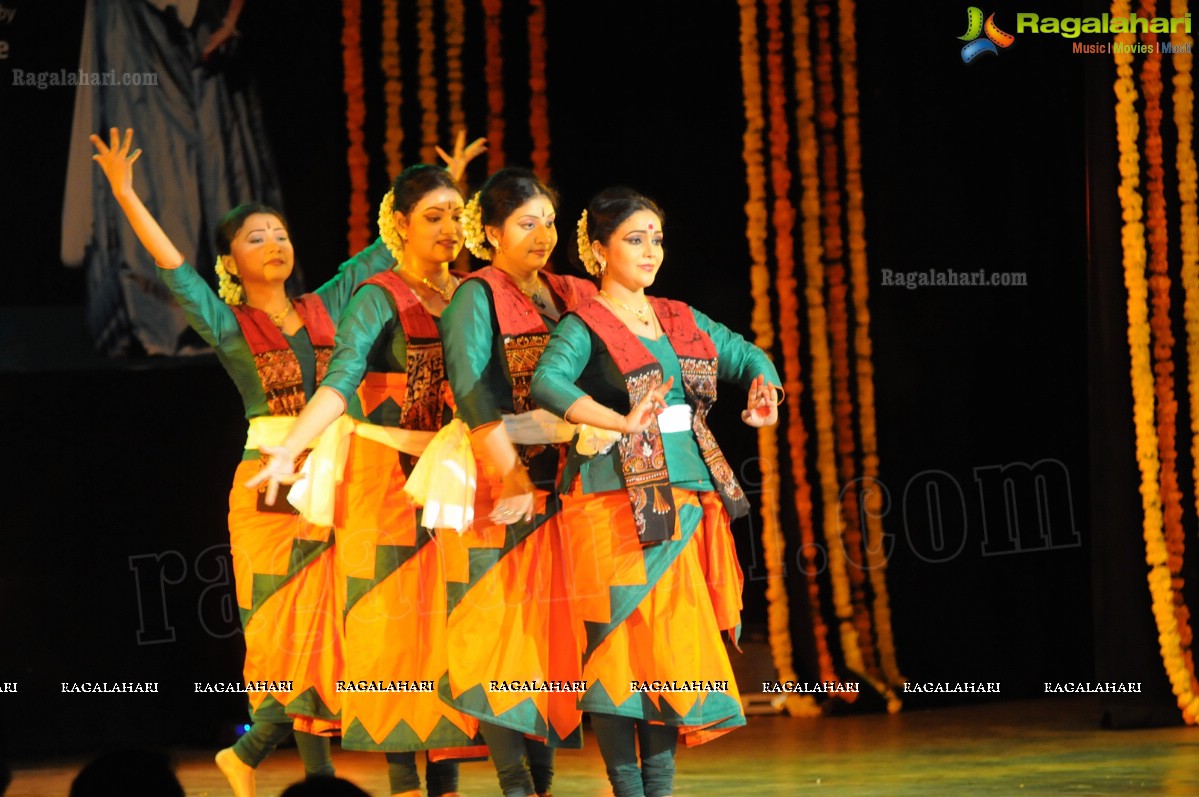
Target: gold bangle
{"points": [[782, 394]]}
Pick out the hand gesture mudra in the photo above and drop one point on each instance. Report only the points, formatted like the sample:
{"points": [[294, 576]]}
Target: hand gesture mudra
{"points": [[463, 154], [645, 410], [761, 406], [115, 160], [279, 469]]}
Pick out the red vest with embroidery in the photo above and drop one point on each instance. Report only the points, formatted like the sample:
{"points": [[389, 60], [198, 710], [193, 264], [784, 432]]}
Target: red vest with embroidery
{"points": [[642, 457], [278, 368], [422, 392], [524, 333]]}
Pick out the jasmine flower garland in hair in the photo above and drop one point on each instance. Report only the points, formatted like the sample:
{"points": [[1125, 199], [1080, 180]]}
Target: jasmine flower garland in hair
{"points": [[472, 228], [387, 227], [585, 254]]}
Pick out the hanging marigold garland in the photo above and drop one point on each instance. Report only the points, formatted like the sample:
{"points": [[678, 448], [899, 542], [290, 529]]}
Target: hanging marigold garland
{"points": [[1163, 337], [1188, 194], [539, 122], [428, 81], [1134, 256], [494, 67], [871, 495], [778, 612], [356, 157], [455, 38], [838, 320], [393, 132]]}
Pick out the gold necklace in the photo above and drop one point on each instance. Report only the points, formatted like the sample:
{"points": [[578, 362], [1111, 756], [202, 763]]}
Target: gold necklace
{"points": [[278, 318], [445, 293], [642, 314]]}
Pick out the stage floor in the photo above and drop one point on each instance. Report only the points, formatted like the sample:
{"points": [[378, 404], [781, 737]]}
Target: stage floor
{"points": [[1050, 746]]}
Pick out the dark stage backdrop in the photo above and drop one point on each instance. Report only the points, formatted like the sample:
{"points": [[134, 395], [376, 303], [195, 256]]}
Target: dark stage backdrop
{"points": [[115, 567]]}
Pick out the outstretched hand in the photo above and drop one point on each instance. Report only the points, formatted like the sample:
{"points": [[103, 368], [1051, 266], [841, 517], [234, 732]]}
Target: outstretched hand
{"points": [[761, 406], [115, 160], [280, 469], [645, 410], [463, 154]]}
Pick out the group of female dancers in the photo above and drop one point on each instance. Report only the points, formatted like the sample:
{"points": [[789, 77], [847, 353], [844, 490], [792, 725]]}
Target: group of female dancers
{"points": [[506, 507]]}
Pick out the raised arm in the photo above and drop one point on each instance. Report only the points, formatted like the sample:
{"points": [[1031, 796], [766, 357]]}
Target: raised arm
{"points": [[117, 163], [463, 154]]}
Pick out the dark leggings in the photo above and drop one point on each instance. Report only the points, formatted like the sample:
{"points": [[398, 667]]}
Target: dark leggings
{"points": [[525, 766], [618, 739], [441, 776], [263, 737]]}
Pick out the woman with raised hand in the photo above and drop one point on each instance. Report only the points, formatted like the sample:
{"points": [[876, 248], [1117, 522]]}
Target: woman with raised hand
{"points": [[650, 563], [505, 631], [276, 349], [388, 373]]}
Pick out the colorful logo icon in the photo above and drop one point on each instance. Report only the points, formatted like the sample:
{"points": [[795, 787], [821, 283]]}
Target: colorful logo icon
{"points": [[975, 27]]}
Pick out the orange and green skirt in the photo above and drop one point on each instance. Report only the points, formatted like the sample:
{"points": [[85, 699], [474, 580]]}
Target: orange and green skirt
{"points": [[283, 568], [395, 616], [650, 619], [510, 633]]}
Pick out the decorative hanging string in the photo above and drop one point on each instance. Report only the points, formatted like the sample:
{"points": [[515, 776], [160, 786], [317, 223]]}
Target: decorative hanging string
{"points": [[494, 66], [838, 325], [539, 122], [778, 613], [1163, 337], [871, 494], [393, 132], [428, 82], [1141, 372], [356, 157], [789, 337], [455, 38]]}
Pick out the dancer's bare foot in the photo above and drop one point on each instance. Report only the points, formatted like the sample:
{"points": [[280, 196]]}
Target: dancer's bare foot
{"points": [[239, 774]]}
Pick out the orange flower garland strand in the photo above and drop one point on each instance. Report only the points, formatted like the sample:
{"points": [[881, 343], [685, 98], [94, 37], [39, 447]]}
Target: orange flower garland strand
{"points": [[494, 65], [351, 43], [1188, 194], [539, 123], [773, 543], [826, 464], [428, 82], [876, 559], [455, 38], [838, 317], [1163, 336], [1133, 239], [393, 133]]}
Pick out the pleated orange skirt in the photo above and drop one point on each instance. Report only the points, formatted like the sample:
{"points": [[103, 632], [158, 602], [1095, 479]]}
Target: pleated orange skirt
{"points": [[511, 642], [395, 615], [283, 569], [649, 619]]}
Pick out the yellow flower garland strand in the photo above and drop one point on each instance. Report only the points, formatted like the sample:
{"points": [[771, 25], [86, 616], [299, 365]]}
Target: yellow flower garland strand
{"points": [[393, 131], [428, 82], [870, 495], [539, 123], [1133, 240], [778, 611], [351, 43]]}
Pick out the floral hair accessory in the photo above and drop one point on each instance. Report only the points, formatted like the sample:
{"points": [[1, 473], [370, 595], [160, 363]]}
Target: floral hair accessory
{"points": [[586, 255], [472, 227], [387, 227], [228, 286]]}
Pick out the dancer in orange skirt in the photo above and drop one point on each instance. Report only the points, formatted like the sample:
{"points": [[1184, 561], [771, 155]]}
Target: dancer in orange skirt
{"points": [[509, 639], [651, 567], [389, 351], [276, 350]]}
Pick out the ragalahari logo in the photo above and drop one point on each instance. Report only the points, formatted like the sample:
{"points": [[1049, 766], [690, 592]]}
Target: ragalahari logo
{"points": [[995, 38]]}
